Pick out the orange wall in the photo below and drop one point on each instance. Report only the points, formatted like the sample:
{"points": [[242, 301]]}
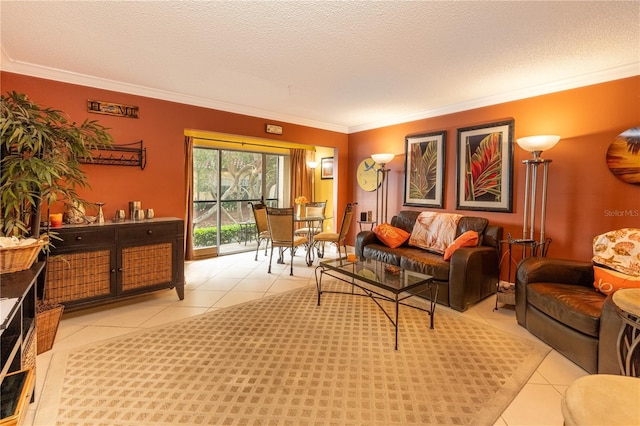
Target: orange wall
{"points": [[581, 190], [161, 126]]}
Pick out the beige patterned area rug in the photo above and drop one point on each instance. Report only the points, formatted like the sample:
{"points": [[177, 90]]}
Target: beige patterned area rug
{"points": [[284, 360]]}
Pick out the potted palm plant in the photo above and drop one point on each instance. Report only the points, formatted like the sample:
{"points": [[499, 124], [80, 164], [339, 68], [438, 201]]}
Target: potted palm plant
{"points": [[41, 152]]}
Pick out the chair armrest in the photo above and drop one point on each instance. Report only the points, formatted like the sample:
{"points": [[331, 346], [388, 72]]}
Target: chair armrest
{"points": [[365, 238], [473, 274], [548, 270], [610, 324]]}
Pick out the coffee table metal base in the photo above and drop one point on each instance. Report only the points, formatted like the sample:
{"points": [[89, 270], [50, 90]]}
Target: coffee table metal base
{"points": [[429, 285]]}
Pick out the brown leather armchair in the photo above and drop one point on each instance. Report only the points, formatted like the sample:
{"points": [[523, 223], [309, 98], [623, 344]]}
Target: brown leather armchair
{"points": [[556, 302]]}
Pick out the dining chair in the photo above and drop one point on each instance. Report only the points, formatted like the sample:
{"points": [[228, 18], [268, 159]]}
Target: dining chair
{"points": [[315, 208], [335, 238], [262, 227], [280, 222]]}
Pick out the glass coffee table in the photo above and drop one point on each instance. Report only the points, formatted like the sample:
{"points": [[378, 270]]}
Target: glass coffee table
{"points": [[372, 277]]}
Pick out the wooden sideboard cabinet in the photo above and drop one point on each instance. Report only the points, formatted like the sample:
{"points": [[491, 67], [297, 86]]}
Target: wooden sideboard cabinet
{"points": [[95, 264], [18, 342]]}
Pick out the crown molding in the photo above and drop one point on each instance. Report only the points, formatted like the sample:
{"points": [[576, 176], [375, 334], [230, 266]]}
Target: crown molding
{"points": [[617, 73], [18, 67], [9, 65]]}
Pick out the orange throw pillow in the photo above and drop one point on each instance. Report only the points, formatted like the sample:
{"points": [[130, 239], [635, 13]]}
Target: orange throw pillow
{"points": [[607, 281], [467, 239], [390, 235]]}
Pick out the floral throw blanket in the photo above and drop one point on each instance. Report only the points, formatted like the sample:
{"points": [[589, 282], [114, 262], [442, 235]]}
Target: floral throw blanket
{"points": [[434, 231]]}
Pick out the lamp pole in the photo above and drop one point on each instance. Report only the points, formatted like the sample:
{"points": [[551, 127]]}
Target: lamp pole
{"points": [[382, 194], [531, 191], [535, 145], [382, 186]]}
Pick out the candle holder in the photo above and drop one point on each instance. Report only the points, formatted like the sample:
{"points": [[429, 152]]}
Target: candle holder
{"points": [[100, 218]]}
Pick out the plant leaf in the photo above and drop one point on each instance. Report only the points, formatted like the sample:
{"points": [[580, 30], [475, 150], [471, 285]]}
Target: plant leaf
{"points": [[484, 173], [422, 176]]}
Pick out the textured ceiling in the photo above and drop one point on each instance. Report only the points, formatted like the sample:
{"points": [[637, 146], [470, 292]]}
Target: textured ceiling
{"points": [[344, 66]]}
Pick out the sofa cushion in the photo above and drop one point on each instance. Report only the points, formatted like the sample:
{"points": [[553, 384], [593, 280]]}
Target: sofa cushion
{"points": [[418, 260], [390, 235], [607, 281], [576, 306], [471, 223], [414, 259], [618, 250], [468, 239], [434, 231], [405, 219], [382, 253]]}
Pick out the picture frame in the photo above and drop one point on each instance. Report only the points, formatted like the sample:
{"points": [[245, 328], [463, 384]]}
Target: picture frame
{"points": [[424, 169], [326, 168], [485, 167]]}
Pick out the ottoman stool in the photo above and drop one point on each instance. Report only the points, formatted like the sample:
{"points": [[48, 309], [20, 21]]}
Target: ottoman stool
{"points": [[602, 399]]}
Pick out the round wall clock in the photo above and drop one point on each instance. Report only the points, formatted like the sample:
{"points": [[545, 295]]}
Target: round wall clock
{"points": [[623, 156], [366, 174]]}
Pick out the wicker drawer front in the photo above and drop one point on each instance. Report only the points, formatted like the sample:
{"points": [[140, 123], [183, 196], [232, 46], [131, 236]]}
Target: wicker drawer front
{"points": [[148, 232], [146, 266], [80, 237], [78, 276]]}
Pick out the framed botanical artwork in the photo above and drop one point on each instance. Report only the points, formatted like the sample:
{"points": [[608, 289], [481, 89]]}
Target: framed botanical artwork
{"points": [[326, 168], [424, 169], [485, 167]]}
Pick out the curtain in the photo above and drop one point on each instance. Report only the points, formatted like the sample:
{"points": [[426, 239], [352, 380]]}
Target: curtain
{"points": [[300, 174], [188, 173]]}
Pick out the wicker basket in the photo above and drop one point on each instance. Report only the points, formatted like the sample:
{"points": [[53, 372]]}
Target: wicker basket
{"points": [[20, 258], [47, 322], [508, 297]]}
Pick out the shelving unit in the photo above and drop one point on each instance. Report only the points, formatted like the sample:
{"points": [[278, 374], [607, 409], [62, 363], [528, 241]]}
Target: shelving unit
{"points": [[18, 342], [132, 154]]}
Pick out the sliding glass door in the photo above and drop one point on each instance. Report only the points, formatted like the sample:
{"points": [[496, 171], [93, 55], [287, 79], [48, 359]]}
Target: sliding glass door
{"points": [[225, 182]]}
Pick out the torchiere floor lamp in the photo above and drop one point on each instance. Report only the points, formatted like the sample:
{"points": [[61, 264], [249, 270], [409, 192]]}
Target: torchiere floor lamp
{"points": [[382, 186], [535, 145]]}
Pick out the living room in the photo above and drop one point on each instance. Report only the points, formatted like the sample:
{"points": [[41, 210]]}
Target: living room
{"points": [[584, 198]]}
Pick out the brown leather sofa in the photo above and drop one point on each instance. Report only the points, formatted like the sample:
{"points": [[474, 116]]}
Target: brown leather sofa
{"points": [[556, 302], [469, 276]]}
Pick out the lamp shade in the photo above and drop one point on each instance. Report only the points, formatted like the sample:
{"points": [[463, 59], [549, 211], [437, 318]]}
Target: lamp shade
{"points": [[312, 164], [382, 158], [538, 143]]}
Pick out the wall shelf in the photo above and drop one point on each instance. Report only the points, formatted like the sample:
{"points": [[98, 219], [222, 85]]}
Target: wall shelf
{"points": [[131, 154]]}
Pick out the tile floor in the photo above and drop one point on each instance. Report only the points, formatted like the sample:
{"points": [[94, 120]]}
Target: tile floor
{"points": [[227, 280]]}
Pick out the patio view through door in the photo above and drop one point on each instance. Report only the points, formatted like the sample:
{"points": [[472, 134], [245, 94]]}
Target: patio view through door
{"points": [[225, 182]]}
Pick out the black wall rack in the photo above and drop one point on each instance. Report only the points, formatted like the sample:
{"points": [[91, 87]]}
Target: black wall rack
{"points": [[131, 154]]}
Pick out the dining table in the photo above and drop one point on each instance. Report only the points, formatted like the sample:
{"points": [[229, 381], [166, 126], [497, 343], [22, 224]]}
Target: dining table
{"points": [[311, 222]]}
